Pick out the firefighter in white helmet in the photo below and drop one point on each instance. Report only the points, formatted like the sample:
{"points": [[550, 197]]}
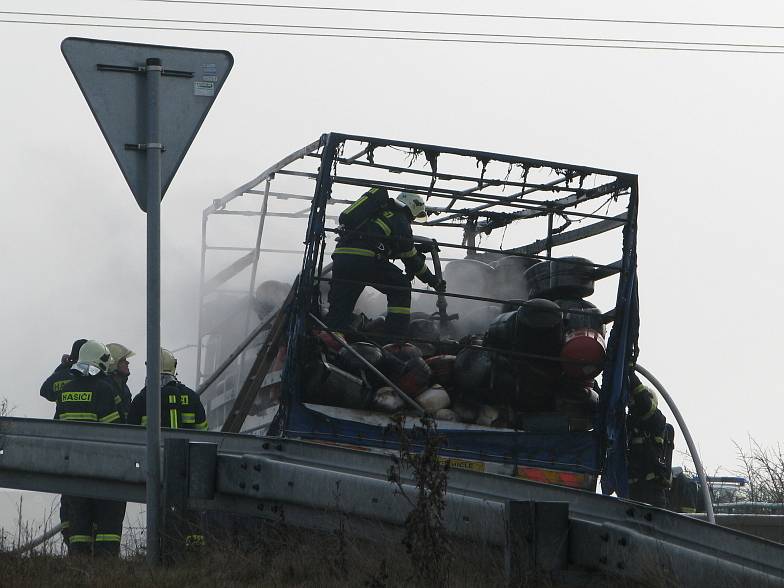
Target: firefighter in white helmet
{"points": [[95, 526], [181, 407], [376, 230]]}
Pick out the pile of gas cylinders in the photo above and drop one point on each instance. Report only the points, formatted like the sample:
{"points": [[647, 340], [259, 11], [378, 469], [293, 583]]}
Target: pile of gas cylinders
{"points": [[538, 355]]}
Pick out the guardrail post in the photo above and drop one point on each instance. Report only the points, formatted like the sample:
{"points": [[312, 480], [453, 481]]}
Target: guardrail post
{"points": [[202, 469], [537, 536], [175, 498]]}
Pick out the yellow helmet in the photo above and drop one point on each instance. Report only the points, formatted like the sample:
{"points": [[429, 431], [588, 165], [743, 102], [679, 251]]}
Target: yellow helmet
{"points": [[95, 354], [118, 352], [168, 362]]}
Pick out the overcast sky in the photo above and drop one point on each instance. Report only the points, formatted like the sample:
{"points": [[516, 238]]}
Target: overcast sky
{"points": [[702, 130]]}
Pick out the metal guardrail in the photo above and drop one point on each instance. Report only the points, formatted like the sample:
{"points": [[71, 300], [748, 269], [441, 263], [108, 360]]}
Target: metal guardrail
{"points": [[318, 486]]}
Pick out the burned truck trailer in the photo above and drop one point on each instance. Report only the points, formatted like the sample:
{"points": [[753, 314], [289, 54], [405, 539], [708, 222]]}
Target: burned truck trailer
{"points": [[523, 361]]}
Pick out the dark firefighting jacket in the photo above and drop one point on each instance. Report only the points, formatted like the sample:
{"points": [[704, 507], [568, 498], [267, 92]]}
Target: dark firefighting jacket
{"points": [[181, 408], [123, 397], [52, 386], [387, 235], [87, 398], [649, 437]]}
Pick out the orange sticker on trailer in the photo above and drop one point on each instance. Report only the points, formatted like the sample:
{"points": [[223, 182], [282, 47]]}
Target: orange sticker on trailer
{"points": [[557, 477]]}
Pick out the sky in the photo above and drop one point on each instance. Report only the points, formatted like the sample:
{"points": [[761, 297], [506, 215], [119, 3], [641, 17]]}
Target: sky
{"points": [[702, 131]]}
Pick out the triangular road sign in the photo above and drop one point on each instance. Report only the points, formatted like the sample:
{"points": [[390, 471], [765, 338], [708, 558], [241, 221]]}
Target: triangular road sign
{"points": [[112, 79]]}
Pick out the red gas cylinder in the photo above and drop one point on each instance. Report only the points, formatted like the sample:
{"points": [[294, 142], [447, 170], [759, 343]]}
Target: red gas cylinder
{"points": [[403, 351], [415, 377], [582, 355]]}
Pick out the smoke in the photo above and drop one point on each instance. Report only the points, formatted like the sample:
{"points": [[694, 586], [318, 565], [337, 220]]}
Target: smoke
{"points": [[501, 280]]}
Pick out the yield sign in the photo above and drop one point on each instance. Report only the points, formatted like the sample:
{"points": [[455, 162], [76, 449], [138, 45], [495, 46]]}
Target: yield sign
{"points": [[112, 78]]}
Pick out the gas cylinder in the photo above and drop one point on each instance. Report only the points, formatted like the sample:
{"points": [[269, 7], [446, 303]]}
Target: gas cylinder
{"points": [[508, 278], [442, 367], [584, 345], [582, 355], [434, 399], [387, 400], [369, 351], [472, 374], [403, 351], [560, 278], [536, 327], [415, 377]]}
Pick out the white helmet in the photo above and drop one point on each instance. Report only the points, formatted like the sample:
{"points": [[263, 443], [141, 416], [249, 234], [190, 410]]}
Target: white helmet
{"points": [[168, 362], [95, 355], [118, 353], [415, 203]]}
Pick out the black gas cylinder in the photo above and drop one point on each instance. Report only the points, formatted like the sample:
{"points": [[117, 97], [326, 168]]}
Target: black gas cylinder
{"points": [[502, 332], [589, 316], [369, 351], [536, 327], [472, 374], [567, 277]]}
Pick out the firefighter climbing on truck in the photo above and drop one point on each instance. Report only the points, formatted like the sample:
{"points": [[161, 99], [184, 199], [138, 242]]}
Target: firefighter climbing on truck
{"points": [[376, 230], [650, 440]]}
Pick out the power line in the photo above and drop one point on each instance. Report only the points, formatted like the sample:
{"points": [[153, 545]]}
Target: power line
{"points": [[391, 38], [403, 31], [473, 14]]}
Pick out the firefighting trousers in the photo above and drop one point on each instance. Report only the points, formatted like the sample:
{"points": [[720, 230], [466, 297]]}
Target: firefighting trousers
{"points": [[65, 519], [360, 271], [95, 526]]}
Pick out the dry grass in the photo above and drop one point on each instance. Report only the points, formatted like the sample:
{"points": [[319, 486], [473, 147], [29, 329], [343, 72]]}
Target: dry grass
{"points": [[282, 557], [289, 558]]}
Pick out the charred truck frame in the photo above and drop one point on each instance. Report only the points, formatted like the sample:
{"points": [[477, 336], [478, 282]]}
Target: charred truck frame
{"points": [[530, 395]]}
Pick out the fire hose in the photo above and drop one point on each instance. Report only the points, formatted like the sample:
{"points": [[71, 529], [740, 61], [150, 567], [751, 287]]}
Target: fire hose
{"points": [[33, 543], [687, 435]]}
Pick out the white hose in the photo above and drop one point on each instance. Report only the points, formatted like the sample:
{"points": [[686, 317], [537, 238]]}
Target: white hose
{"points": [[689, 441], [32, 544]]}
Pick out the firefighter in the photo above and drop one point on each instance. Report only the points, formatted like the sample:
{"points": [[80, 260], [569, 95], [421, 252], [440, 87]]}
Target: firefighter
{"points": [[181, 408], [62, 373], [50, 390], [95, 526], [377, 230], [119, 371], [650, 441]]}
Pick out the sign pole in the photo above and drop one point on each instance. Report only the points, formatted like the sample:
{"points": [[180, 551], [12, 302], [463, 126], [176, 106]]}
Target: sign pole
{"points": [[152, 151], [137, 104]]}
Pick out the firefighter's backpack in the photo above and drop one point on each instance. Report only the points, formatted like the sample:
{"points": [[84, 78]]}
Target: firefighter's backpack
{"points": [[367, 207]]}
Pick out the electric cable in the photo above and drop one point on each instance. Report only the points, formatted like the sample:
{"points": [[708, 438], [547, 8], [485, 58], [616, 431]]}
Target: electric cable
{"points": [[402, 31], [474, 14], [391, 38]]}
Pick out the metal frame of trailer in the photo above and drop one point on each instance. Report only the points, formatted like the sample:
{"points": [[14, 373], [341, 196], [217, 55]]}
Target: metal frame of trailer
{"points": [[476, 196]]}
